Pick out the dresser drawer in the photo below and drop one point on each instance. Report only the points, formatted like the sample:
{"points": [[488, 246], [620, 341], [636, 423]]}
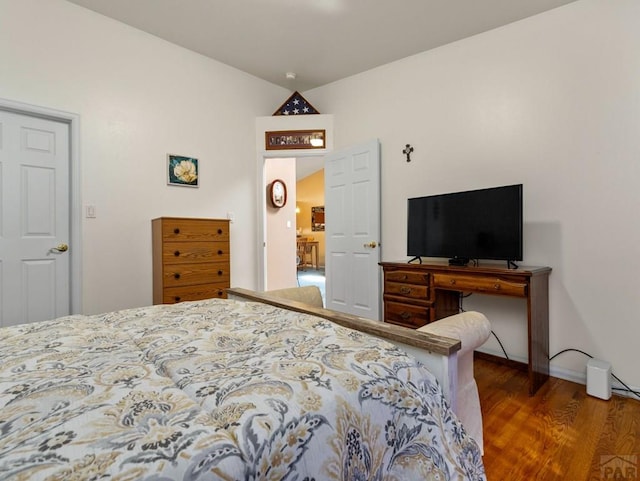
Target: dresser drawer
{"points": [[172, 295], [189, 274], [407, 277], [406, 315], [411, 291], [185, 252], [194, 230], [485, 284]]}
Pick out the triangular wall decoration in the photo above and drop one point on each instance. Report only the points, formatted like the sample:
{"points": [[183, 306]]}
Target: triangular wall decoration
{"points": [[296, 105]]}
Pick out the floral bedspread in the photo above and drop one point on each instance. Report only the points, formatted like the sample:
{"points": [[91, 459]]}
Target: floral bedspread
{"points": [[220, 390]]}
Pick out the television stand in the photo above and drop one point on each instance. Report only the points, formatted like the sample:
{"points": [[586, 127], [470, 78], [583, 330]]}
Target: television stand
{"points": [[417, 294]]}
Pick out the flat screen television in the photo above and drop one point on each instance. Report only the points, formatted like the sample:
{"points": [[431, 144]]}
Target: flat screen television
{"points": [[476, 224]]}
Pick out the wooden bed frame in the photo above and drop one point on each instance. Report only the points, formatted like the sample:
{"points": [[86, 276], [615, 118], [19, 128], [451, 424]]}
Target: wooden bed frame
{"points": [[437, 353]]}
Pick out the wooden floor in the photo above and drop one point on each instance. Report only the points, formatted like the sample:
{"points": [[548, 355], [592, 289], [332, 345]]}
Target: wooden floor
{"points": [[561, 433]]}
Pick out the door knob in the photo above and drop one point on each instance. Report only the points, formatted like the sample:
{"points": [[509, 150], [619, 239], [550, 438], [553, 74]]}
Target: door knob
{"points": [[60, 248], [371, 244]]}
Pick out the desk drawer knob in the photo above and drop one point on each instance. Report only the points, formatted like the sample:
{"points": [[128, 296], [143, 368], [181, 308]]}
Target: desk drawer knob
{"points": [[219, 252], [177, 298], [176, 253], [176, 275], [220, 273], [219, 231], [176, 231]]}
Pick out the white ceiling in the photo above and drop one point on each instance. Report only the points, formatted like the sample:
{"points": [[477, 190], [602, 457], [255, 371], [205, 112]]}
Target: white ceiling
{"points": [[305, 166], [320, 40]]}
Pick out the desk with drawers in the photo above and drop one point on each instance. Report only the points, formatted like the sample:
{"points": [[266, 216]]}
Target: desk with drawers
{"points": [[416, 294]]}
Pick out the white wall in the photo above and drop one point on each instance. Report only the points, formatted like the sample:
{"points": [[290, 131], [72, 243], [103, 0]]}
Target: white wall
{"points": [[553, 102], [281, 226], [138, 98]]}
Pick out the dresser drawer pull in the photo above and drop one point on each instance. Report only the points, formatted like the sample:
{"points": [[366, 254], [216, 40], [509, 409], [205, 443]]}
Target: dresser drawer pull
{"points": [[176, 231], [177, 298], [496, 286], [405, 290], [176, 253], [176, 275], [405, 315], [220, 252], [220, 273], [452, 282], [220, 293], [219, 231]]}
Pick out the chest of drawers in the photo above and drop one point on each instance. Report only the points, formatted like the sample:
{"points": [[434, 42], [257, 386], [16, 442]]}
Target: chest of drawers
{"points": [[191, 259]]}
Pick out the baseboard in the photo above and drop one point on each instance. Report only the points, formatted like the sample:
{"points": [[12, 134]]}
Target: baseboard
{"points": [[518, 362], [520, 366]]}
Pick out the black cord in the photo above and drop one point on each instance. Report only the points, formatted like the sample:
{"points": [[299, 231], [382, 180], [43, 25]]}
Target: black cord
{"points": [[461, 309], [499, 342], [460, 300], [568, 350], [626, 388]]}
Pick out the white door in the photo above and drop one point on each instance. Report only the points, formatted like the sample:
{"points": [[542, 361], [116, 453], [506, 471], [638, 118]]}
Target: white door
{"points": [[34, 219], [352, 235]]}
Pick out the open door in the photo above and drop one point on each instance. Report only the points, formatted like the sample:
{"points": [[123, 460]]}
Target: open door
{"points": [[352, 209]]}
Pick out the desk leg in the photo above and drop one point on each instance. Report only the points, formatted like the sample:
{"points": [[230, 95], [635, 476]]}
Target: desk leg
{"points": [[538, 326]]}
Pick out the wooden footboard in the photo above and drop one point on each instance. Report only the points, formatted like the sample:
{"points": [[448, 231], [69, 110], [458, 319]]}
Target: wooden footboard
{"points": [[437, 353]]}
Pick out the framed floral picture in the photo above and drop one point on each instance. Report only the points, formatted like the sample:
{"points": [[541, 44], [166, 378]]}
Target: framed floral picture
{"points": [[182, 170]]}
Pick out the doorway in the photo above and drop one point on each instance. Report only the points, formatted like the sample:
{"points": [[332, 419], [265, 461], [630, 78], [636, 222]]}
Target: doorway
{"points": [[294, 249], [352, 177], [310, 223]]}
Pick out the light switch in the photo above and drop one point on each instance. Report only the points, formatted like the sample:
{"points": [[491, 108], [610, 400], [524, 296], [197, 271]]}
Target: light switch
{"points": [[90, 211]]}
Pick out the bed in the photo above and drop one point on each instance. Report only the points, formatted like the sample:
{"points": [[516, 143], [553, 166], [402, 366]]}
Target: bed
{"points": [[221, 389]]}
